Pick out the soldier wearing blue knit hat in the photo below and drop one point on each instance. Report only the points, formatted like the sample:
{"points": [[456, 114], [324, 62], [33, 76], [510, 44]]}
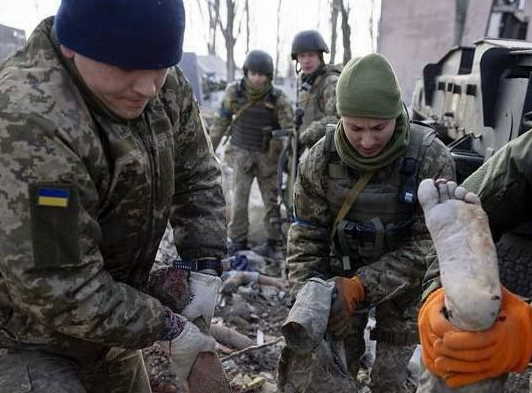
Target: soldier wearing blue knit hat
{"points": [[101, 145]]}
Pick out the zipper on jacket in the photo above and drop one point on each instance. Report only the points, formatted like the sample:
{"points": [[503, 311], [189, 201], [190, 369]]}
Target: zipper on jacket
{"points": [[150, 151]]}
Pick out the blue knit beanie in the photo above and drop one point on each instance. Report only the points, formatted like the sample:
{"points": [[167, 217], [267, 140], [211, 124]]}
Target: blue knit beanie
{"points": [[132, 34]]}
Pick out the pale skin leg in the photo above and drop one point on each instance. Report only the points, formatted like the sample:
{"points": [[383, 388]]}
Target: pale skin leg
{"points": [[466, 253], [468, 268]]}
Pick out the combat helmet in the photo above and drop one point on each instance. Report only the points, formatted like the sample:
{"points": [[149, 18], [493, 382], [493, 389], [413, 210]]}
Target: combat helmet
{"points": [[259, 61], [308, 41]]}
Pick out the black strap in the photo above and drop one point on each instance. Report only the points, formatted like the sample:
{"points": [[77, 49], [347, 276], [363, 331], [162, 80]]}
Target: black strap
{"points": [[408, 171], [196, 265]]}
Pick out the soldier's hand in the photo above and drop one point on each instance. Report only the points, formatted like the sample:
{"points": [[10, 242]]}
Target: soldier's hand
{"points": [[349, 294], [185, 348], [461, 357]]}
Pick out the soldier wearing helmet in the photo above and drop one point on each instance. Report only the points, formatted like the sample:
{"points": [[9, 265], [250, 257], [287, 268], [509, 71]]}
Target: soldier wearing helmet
{"points": [[316, 103], [252, 108]]}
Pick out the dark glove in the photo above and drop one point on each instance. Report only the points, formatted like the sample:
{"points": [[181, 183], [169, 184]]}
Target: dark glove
{"points": [[348, 295]]}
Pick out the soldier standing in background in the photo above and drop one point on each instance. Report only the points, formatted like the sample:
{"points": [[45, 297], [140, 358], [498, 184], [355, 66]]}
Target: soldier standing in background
{"points": [[253, 108], [357, 219], [101, 144], [316, 95], [315, 106]]}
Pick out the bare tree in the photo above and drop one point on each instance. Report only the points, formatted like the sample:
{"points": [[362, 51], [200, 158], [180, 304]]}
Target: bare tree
{"points": [[346, 29], [335, 10], [247, 25], [213, 7], [230, 36], [278, 40], [318, 20], [372, 25]]}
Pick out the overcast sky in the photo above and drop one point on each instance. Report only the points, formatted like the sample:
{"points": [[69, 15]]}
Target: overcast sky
{"points": [[296, 15]]}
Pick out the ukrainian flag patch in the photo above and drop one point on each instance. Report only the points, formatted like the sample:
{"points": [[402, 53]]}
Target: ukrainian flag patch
{"points": [[55, 197]]}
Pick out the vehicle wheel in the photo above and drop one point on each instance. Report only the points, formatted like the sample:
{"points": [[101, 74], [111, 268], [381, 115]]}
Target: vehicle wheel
{"points": [[515, 263]]}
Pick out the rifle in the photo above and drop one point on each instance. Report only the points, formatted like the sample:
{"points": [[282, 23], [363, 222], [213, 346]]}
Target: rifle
{"points": [[288, 162]]}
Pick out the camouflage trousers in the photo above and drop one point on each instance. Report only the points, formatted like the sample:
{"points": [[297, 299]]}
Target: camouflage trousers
{"points": [[318, 371], [429, 383], [121, 371], [248, 165], [396, 336]]}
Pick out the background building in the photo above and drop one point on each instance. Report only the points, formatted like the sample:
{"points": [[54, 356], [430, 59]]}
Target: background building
{"points": [[10, 40], [413, 33]]}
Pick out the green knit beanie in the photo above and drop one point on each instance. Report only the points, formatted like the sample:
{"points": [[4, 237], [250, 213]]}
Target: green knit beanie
{"points": [[368, 87]]}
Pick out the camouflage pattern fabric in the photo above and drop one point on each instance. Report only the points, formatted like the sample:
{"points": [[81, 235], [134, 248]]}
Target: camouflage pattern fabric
{"points": [[319, 369], [317, 372], [248, 165], [319, 106], [390, 371], [512, 383], [396, 272], [73, 277], [120, 371], [234, 100], [428, 383], [393, 281]]}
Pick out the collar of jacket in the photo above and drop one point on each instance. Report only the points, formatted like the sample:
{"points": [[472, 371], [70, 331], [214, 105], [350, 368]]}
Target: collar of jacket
{"points": [[395, 148], [256, 94], [309, 79]]}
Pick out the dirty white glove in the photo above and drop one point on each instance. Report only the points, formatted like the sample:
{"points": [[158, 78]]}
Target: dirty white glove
{"points": [[204, 289], [185, 348]]}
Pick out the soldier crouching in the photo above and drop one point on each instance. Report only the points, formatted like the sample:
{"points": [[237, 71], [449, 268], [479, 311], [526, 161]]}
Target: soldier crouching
{"points": [[358, 222]]}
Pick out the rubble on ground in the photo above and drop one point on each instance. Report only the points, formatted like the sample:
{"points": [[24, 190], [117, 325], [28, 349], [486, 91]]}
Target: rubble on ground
{"points": [[257, 311]]}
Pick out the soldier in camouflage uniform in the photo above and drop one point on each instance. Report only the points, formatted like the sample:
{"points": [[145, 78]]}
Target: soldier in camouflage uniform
{"points": [[503, 184], [316, 100], [357, 219], [253, 108], [101, 144]]}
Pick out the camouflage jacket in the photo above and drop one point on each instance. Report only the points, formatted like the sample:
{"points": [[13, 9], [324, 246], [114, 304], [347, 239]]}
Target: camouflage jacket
{"points": [[318, 105], [504, 185], [85, 200], [235, 98], [309, 249]]}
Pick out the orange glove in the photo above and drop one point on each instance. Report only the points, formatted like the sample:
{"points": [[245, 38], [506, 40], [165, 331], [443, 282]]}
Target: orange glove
{"points": [[349, 294], [461, 357]]}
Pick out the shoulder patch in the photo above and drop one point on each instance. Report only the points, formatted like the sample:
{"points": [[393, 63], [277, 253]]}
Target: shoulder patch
{"points": [[55, 224]]}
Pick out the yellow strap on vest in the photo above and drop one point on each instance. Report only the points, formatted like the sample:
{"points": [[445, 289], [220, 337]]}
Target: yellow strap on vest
{"points": [[350, 199]]}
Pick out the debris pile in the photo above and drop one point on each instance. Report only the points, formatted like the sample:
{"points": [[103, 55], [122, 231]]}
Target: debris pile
{"points": [[254, 305]]}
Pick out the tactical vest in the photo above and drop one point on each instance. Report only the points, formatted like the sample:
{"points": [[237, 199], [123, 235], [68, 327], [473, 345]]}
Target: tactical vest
{"points": [[382, 216], [252, 129]]}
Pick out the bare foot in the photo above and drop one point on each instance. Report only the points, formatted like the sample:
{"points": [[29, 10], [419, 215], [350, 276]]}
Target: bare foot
{"points": [[466, 253]]}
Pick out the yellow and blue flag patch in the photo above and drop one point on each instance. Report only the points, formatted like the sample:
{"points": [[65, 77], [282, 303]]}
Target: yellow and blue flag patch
{"points": [[55, 197]]}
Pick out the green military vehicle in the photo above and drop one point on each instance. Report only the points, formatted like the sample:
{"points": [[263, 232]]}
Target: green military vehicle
{"points": [[479, 98]]}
